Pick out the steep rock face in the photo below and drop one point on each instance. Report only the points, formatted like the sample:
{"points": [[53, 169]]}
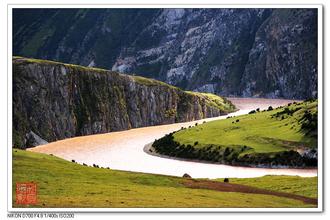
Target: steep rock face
{"points": [[285, 51], [232, 52], [56, 101]]}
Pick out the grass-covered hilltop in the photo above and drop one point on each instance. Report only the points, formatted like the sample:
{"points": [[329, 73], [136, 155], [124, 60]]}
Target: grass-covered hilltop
{"points": [[54, 101], [64, 184], [285, 136]]}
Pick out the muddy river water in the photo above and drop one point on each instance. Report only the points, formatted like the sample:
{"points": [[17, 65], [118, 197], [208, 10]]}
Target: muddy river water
{"points": [[123, 150]]}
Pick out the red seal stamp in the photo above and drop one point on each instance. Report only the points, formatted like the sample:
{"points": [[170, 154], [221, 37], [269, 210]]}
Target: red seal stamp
{"points": [[26, 193]]}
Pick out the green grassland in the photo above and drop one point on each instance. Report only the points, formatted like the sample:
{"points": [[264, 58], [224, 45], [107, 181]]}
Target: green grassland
{"points": [[259, 131], [66, 184], [304, 186], [256, 137]]}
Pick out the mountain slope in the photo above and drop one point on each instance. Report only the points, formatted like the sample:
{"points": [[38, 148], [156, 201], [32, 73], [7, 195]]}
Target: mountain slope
{"points": [[232, 52], [53, 101]]}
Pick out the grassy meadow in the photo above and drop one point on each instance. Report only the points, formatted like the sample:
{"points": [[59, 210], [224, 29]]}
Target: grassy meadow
{"points": [[270, 136], [262, 131], [304, 186], [66, 184]]}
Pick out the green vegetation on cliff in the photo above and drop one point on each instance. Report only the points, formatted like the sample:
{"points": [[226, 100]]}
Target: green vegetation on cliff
{"points": [[65, 184], [151, 82], [283, 136], [216, 101]]}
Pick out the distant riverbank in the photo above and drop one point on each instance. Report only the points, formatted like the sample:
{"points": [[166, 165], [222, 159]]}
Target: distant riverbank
{"points": [[150, 150]]}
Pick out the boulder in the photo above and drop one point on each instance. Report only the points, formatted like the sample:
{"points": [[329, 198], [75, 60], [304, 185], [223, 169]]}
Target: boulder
{"points": [[186, 175], [33, 140]]}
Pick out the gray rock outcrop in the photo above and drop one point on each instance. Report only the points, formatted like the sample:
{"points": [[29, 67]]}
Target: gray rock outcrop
{"points": [[57, 101]]}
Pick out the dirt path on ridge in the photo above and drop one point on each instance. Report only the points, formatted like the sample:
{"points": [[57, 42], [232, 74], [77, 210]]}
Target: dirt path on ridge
{"points": [[233, 187]]}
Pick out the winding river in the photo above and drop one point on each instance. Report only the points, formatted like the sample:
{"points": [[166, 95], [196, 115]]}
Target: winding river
{"points": [[123, 150]]}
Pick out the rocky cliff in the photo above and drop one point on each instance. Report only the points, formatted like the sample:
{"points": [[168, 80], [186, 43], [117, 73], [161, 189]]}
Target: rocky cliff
{"points": [[53, 101], [231, 52]]}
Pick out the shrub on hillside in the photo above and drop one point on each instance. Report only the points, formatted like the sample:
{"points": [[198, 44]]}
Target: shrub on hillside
{"points": [[309, 122]]}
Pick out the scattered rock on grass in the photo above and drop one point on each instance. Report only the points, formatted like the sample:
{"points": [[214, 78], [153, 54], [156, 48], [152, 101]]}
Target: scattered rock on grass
{"points": [[186, 175]]}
